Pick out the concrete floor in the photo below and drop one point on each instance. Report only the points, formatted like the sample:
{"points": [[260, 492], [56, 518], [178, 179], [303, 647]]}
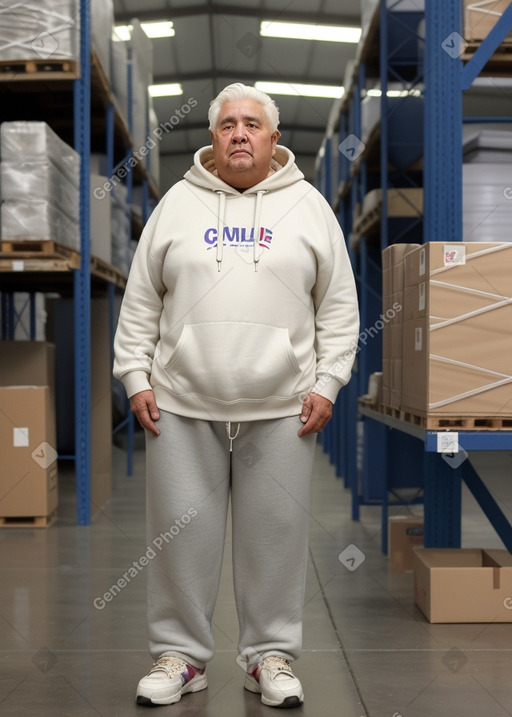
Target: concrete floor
{"points": [[368, 651]]}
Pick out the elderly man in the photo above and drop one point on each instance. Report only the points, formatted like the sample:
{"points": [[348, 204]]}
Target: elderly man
{"points": [[236, 332]]}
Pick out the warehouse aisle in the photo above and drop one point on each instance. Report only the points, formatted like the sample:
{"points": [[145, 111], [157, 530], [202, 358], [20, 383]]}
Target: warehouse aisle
{"points": [[69, 646]]}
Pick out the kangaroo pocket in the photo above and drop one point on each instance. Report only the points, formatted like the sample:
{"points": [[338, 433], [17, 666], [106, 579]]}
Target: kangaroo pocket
{"points": [[232, 361]]}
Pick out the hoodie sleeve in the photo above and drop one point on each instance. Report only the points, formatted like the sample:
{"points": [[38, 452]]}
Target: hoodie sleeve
{"points": [[337, 314], [138, 329]]}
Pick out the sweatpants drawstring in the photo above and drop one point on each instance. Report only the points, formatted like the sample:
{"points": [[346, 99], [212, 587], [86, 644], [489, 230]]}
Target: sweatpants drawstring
{"points": [[230, 437]]}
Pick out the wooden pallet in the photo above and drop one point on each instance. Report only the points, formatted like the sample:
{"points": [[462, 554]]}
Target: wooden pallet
{"points": [[37, 255], [107, 272], [35, 247], [40, 521], [453, 423], [46, 69], [390, 411]]}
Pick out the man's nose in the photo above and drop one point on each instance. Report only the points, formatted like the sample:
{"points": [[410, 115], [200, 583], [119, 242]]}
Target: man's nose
{"points": [[239, 134]]}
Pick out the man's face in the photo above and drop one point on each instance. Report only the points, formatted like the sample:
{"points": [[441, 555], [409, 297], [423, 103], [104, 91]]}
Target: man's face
{"points": [[243, 143]]}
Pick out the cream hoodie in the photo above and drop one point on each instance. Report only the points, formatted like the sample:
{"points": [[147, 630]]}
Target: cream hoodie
{"points": [[237, 330]]}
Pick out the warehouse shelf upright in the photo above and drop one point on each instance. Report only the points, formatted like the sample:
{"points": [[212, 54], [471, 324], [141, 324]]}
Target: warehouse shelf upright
{"points": [[445, 77], [81, 276], [80, 98]]}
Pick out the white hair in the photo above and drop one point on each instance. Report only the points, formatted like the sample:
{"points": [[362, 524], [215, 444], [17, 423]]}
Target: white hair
{"points": [[239, 91]]}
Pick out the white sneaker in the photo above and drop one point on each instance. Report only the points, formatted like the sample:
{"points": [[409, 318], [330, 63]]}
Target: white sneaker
{"points": [[274, 679], [169, 678]]}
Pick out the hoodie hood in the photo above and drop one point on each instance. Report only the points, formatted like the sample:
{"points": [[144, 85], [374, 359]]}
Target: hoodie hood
{"points": [[283, 172]]}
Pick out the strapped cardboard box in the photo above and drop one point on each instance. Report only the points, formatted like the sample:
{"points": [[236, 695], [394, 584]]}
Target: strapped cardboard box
{"points": [[457, 331], [481, 17]]}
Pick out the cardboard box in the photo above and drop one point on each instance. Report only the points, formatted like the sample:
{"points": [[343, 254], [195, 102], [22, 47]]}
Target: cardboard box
{"points": [[392, 307], [481, 17], [463, 585], [457, 333], [27, 363], [405, 532], [392, 259], [28, 479]]}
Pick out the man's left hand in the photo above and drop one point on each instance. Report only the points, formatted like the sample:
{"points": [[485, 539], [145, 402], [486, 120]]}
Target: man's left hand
{"points": [[316, 413]]}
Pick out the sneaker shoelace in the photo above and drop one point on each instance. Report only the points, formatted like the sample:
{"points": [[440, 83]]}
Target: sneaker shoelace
{"points": [[171, 665], [277, 664]]}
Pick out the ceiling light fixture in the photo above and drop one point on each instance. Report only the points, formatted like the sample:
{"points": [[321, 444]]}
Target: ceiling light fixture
{"points": [[394, 93], [299, 31], [158, 29], [166, 90], [298, 90], [152, 30]]}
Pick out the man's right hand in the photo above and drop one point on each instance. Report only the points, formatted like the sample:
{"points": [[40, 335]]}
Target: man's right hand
{"points": [[144, 407]]}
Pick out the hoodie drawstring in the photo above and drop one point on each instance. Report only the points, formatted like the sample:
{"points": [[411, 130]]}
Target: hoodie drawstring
{"points": [[257, 228], [230, 437], [220, 228]]}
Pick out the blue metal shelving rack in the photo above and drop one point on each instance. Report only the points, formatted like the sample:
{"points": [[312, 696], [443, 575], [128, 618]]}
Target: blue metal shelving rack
{"points": [[82, 277], [390, 440]]}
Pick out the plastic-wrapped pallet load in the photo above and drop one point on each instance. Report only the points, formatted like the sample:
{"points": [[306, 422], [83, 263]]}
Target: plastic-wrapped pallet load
{"points": [[487, 186], [121, 229], [38, 220], [48, 30], [487, 202], [40, 185], [142, 61], [102, 23], [38, 179], [37, 140], [119, 75]]}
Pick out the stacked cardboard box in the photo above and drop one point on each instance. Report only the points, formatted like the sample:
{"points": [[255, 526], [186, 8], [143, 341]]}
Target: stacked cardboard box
{"points": [[457, 330], [393, 299], [28, 480], [480, 17]]}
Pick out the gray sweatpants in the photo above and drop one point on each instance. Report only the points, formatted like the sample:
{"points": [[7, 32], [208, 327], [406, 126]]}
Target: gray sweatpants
{"points": [[190, 474]]}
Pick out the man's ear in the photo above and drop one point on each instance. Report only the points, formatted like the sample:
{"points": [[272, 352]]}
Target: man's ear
{"points": [[274, 138]]}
